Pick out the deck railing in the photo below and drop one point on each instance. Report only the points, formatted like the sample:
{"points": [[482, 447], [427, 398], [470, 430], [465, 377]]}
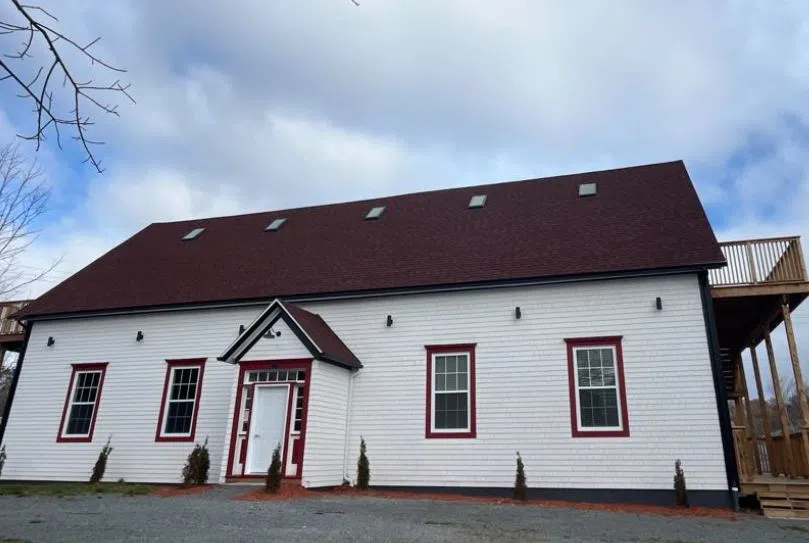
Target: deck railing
{"points": [[761, 261], [9, 326], [778, 465]]}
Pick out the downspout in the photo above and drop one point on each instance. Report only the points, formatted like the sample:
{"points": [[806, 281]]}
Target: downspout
{"points": [[346, 475], [14, 381], [731, 470]]}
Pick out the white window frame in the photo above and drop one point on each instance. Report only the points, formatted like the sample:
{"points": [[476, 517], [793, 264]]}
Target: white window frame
{"points": [[617, 387], [169, 401], [434, 392], [73, 402]]}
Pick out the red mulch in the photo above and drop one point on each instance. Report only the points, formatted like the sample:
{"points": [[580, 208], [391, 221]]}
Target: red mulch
{"points": [[614, 507], [295, 491], [169, 491], [287, 492]]}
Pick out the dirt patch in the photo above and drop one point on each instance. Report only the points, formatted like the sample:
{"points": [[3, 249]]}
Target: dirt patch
{"points": [[287, 492], [169, 491], [613, 507]]}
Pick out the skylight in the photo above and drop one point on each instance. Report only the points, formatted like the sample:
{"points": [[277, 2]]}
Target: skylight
{"points": [[375, 213], [275, 224], [588, 189], [478, 200], [193, 234]]}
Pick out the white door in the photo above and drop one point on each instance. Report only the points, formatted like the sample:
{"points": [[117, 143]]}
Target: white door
{"points": [[267, 426]]}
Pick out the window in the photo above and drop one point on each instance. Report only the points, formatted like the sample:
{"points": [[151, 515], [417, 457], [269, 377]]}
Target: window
{"points": [[193, 234], [450, 391], [477, 201], [275, 225], [181, 394], [375, 213], [588, 189], [597, 392], [81, 403], [299, 411]]}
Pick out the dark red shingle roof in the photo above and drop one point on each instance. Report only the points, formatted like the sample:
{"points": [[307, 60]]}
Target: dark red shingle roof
{"points": [[645, 217]]}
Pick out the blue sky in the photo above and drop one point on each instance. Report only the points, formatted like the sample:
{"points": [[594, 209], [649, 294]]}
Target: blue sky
{"points": [[249, 105]]}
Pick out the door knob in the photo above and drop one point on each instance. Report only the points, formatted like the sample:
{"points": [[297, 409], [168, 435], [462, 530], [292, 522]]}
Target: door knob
{"points": [[256, 435]]}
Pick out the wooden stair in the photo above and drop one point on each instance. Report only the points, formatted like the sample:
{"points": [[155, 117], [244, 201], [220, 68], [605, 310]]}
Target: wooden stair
{"points": [[786, 504]]}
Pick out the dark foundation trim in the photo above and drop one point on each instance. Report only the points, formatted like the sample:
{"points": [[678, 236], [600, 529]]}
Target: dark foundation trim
{"points": [[698, 498]]}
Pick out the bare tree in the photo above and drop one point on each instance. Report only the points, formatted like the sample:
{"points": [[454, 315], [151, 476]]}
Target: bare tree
{"points": [[23, 196], [40, 85]]}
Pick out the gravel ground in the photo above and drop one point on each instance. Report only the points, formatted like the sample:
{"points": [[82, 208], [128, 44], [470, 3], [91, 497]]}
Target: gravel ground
{"points": [[213, 516]]}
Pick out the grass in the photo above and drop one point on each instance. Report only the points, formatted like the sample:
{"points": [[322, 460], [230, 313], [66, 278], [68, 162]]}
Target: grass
{"points": [[73, 489]]}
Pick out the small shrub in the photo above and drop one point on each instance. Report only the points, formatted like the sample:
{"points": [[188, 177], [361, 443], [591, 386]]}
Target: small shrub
{"points": [[101, 464], [195, 471], [680, 491], [2, 459], [363, 468], [520, 488], [273, 484]]}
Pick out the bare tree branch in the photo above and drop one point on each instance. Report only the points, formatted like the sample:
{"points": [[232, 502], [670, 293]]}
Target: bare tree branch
{"points": [[40, 90], [23, 198]]}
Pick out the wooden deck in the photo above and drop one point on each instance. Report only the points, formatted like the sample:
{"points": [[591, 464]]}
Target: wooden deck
{"points": [[763, 283], [12, 333]]}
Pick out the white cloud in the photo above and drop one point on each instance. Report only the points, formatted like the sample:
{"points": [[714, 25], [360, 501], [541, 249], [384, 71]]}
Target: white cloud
{"points": [[250, 105]]}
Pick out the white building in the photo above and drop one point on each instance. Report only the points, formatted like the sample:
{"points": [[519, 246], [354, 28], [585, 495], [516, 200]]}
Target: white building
{"points": [[564, 318]]}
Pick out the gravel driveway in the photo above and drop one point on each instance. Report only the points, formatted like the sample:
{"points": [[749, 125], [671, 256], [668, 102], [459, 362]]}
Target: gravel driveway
{"points": [[213, 516]]}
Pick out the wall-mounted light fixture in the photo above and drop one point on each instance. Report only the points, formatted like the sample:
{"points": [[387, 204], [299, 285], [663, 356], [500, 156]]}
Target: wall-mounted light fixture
{"points": [[139, 336], [241, 329], [517, 313], [51, 341], [659, 303], [389, 321]]}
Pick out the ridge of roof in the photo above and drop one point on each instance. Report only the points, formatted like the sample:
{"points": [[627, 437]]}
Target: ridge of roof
{"points": [[643, 218], [379, 199]]}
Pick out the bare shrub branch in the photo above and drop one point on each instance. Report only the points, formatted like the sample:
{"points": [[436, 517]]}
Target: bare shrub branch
{"points": [[37, 28]]}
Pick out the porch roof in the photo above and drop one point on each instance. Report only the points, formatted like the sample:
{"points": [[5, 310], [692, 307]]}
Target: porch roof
{"points": [[310, 328]]}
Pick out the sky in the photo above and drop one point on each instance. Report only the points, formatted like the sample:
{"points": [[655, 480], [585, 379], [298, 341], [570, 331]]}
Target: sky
{"points": [[252, 105]]}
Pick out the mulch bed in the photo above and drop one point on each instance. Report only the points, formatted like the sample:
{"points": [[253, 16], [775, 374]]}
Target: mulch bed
{"points": [[287, 492], [169, 491], [294, 491], [637, 508]]}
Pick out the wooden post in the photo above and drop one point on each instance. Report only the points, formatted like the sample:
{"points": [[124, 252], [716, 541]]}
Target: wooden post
{"points": [[751, 430], [751, 263], [788, 465], [799, 384], [765, 413]]}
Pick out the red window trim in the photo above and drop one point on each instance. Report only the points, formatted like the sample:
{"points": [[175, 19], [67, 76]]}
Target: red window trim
{"points": [[605, 341], [170, 365], [432, 350], [75, 368]]}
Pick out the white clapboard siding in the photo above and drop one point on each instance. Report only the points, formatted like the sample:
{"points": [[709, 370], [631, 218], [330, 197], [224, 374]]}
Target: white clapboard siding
{"points": [[522, 385], [132, 391], [521, 377], [326, 426]]}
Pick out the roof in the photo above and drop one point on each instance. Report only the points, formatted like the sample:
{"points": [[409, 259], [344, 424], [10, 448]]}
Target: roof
{"points": [[643, 218], [310, 328]]}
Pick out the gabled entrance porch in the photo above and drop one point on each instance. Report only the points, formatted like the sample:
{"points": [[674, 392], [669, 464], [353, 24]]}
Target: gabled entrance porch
{"points": [[272, 393]]}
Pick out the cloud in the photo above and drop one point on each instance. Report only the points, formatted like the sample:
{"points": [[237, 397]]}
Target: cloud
{"points": [[250, 105]]}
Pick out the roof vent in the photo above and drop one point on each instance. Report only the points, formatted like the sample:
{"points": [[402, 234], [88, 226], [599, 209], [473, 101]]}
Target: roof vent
{"points": [[588, 189], [375, 213], [193, 234], [275, 225], [477, 201]]}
